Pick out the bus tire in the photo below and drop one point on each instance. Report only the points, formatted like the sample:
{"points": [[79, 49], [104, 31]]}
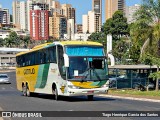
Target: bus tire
{"points": [[90, 97], [24, 90], [28, 94], [56, 96]]}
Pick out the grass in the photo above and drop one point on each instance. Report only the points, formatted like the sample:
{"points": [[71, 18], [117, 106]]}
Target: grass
{"points": [[134, 93]]}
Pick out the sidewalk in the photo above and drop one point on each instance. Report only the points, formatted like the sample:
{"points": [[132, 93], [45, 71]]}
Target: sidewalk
{"points": [[8, 70], [138, 98]]}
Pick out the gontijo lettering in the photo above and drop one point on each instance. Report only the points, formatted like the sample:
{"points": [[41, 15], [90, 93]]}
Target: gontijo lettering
{"points": [[29, 71]]}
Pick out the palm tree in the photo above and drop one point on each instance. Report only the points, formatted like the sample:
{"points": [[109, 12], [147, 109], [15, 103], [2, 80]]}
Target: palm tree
{"points": [[1, 42], [9, 42], [26, 41], [147, 30]]}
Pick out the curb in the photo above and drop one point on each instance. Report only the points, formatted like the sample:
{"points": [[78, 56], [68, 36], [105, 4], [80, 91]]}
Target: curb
{"points": [[1, 71], [132, 98]]}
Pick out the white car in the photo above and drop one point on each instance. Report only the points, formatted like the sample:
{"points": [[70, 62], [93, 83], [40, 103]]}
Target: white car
{"points": [[4, 78]]}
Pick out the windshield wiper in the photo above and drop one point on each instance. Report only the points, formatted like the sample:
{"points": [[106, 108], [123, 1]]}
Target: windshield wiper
{"points": [[94, 71], [85, 76]]}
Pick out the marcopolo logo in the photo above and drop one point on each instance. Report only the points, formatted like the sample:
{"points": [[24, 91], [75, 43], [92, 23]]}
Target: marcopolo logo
{"points": [[29, 71]]}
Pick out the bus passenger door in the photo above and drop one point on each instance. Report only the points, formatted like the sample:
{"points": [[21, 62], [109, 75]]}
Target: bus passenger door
{"points": [[62, 72]]}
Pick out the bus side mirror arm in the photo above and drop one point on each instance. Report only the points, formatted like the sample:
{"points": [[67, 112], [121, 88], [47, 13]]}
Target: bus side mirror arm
{"points": [[66, 60], [112, 59]]}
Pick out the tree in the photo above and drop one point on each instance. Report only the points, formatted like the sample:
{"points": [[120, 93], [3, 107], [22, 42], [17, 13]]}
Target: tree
{"points": [[152, 8], [96, 36], [9, 42], [13, 38], [117, 26], [107, 27], [148, 29], [134, 53], [120, 50], [26, 41], [1, 42]]}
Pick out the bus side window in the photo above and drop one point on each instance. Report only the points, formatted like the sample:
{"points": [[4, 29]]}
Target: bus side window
{"points": [[52, 54], [41, 56], [37, 55], [47, 56], [32, 58], [23, 61]]}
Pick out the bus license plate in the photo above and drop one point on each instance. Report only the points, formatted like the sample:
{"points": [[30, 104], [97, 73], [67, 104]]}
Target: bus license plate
{"points": [[90, 91]]}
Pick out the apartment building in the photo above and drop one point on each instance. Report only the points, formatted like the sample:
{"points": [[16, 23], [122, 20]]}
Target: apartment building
{"points": [[39, 22], [130, 11], [111, 6]]}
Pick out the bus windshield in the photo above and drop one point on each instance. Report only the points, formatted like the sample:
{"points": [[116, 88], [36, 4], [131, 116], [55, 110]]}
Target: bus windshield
{"points": [[87, 68]]}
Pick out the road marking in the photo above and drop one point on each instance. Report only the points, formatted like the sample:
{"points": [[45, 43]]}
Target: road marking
{"points": [[70, 110], [3, 88]]}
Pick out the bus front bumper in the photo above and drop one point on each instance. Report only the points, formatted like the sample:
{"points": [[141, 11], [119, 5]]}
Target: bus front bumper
{"points": [[77, 92]]}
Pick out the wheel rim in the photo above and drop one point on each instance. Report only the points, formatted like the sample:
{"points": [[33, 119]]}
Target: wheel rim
{"points": [[56, 94], [24, 91], [27, 92]]}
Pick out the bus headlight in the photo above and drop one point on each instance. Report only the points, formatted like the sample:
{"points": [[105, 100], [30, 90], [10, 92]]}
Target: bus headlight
{"points": [[104, 86], [73, 87]]}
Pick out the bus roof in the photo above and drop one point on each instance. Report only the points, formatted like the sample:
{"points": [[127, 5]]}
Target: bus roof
{"points": [[80, 43], [63, 43]]}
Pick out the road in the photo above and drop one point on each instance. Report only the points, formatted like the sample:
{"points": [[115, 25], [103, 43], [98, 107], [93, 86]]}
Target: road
{"points": [[12, 100]]}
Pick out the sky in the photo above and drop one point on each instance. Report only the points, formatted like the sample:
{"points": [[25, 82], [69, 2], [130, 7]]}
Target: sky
{"points": [[82, 6]]}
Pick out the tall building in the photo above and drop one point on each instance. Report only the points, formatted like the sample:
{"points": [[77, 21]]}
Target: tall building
{"points": [[39, 24], [29, 7], [1, 15], [79, 28], [68, 11], [97, 8], [50, 3], [57, 26], [4, 16], [85, 25], [111, 6], [57, 21], [56, 7], [21, 11], [23, 16], [16, 13], [130, 11], [91, 22], [62, 26], [41, 5]]}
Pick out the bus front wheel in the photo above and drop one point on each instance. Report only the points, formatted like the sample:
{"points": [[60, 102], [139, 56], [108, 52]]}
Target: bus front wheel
{"points": [[90, 97], [55, 93], [25, 91], [28, 92]]}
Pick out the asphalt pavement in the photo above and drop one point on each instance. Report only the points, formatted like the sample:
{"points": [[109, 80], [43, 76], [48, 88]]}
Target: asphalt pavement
{"points": [[12, 100]]}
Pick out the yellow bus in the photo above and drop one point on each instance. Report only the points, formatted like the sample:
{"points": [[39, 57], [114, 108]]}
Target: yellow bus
{"points": [[65, 68]]}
